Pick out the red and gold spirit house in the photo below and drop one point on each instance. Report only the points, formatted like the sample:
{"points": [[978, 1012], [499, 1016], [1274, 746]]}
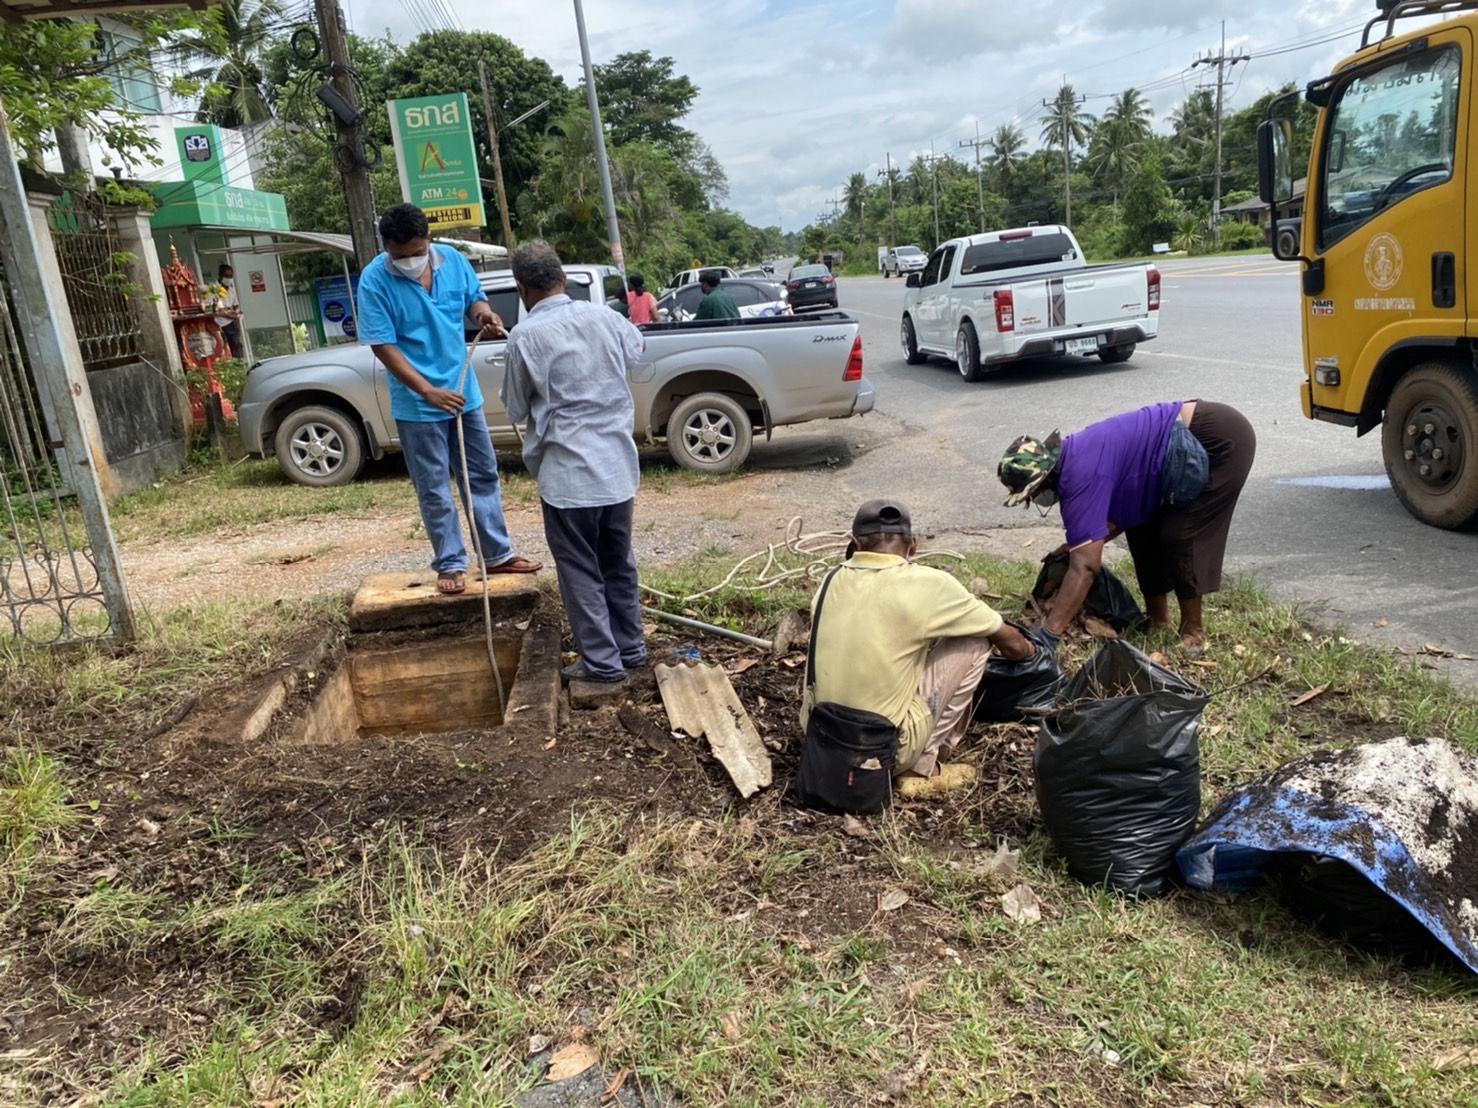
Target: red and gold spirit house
{"points": [[201, 343]]}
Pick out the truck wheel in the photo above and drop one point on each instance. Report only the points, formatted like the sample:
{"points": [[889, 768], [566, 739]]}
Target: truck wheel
{"points": [[1113, 354], [1430, 443], [910, 343], [319, 446], [709, 432], [967, 353]]}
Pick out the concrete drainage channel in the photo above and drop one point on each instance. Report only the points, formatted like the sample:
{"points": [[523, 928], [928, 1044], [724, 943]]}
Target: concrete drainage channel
{"points": [[416, 663]]}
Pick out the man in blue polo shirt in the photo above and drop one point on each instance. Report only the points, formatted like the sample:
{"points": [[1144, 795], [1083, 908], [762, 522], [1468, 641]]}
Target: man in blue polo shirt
{"points": [[412, 302]]}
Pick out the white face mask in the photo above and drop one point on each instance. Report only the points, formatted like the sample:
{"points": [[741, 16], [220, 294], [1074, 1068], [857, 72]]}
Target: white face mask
{"points": [[227, 283], [411, 267]]}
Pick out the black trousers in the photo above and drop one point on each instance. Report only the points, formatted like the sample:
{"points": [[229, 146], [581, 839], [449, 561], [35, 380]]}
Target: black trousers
{"points": [[1182, 549], [597, 582]]}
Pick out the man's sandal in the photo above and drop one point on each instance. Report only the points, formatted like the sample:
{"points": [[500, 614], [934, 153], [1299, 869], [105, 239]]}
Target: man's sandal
{"points": [[516, 564], [451, 582]]}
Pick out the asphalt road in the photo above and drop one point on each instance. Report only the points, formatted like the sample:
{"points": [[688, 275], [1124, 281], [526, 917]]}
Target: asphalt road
{"points": [[1317, 520]]}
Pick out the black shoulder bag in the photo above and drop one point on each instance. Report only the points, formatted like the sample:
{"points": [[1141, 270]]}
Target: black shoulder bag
{"points": [[847, 756]]}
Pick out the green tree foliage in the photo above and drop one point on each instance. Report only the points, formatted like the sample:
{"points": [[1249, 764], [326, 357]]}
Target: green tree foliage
{"points": [[1119, 140], [291, 81], [55, 72], [229, 44], [1150, 213], [643, 100]]}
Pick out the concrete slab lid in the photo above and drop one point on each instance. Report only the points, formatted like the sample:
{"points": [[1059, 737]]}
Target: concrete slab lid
{"points": [[393, 601], [700, 701]]}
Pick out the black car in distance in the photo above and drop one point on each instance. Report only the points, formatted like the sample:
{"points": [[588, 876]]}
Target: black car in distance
{"points": [[811, 286]]}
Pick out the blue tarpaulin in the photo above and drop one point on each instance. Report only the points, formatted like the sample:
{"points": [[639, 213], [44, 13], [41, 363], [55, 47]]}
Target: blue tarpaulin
{"points": [[1403, 813]]}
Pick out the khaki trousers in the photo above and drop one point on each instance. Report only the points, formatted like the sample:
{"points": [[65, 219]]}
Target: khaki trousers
{"points": [[952, 672]]}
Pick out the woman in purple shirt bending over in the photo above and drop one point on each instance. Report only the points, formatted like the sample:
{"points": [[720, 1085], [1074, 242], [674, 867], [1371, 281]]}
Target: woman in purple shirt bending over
{"points": [[1167, 477]]}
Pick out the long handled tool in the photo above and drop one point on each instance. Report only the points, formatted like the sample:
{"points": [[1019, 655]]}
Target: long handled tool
{"points": [[487, 604]]}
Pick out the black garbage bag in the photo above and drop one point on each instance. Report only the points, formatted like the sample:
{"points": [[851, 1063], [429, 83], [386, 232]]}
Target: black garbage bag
{"points": [[1118, 770], [1109, 599], [1007, 687]]}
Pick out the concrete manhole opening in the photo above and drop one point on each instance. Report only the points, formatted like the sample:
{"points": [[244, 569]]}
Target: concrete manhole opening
{"points": [[427, 687]]}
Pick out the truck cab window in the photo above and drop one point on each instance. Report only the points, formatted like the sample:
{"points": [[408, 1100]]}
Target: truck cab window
{"points": [[932, 270], [1391, 133]]}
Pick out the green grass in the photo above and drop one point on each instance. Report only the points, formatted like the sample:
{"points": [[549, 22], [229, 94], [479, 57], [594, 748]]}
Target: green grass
{"points": [[735, 960]]}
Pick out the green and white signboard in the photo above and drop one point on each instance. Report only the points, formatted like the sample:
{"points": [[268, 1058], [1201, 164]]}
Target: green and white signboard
{"points": [[438, 160]]}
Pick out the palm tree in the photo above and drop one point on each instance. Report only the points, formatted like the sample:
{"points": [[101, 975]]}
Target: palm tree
{"points": [[1006, 146], [1120, 138], [854, 196], [1194, 122], [1065, 124], [230, 41]]}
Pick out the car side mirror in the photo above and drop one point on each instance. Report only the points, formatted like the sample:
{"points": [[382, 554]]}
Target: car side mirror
{"points": [[1274, 161], [915, 281]]}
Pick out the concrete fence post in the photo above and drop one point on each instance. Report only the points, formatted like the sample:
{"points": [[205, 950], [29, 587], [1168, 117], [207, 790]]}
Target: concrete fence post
{"points": [[157, 340]]}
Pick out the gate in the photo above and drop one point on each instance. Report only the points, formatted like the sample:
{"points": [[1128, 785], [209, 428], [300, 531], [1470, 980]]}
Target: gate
{"points": [[88, 253], [50, 589]]}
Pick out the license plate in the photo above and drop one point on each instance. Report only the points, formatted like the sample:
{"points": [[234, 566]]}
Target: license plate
{"points": [[1082, 346], [813, 284]]}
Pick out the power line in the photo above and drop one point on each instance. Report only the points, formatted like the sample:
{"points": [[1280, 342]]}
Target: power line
{"points": [[1222, 61]]}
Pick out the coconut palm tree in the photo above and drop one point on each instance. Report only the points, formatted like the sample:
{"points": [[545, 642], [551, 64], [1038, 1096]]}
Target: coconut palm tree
{"points": [[230, 41], [1006, 147], [1065, 125], [854, 196], [1194, 121], [1119, 140]]}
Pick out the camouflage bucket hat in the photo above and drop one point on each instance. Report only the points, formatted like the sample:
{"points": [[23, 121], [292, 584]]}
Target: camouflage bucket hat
{"points": [[1027, 464]]}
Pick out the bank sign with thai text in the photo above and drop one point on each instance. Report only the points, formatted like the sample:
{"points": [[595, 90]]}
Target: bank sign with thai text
{"points": [[438, 160]]}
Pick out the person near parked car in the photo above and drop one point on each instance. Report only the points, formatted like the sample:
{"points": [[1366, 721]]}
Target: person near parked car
{"points": [[565, 377], [413, 299], [1167, 476], [641, 305], [907, 642], [716, 303]]}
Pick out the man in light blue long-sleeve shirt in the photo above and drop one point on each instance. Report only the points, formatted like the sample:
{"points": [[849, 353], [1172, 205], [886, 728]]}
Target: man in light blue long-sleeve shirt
{"points": [[565, 374]]}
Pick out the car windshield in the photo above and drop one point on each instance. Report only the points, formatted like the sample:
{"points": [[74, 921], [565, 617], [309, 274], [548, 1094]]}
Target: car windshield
{"points": [[904, 251], [809, 271]]}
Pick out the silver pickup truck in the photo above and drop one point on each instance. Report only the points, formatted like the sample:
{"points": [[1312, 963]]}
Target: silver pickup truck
{"points": [[708, 387]]}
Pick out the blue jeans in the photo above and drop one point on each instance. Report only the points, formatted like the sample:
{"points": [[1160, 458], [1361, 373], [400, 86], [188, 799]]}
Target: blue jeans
{"points": [[431, 455]]}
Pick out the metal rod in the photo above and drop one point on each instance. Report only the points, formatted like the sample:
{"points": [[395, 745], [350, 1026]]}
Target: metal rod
{"points": [[20, 252], [613, 231], [699, 625]]}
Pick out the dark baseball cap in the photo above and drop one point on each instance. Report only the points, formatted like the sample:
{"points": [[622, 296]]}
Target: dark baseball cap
{"points": [[882, 517]]}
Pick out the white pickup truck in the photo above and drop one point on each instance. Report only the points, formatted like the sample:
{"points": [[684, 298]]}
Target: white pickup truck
{"points": [[1025, 293]]}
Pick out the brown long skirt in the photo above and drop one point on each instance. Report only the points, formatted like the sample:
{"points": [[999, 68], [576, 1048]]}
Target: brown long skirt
{"points": [[1182, 548]]}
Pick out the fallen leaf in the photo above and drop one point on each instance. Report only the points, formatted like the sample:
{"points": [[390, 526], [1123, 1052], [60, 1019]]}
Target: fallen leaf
{"points": [[1098, 628], [732, 1031], [1317, 690], [293, 559], [1022, 905], [538, 1044], [980, 588], [1380, 623], [853, 826], [550, 744], [1028, 543], [895, 1086], [1435, 651], [148, 827], [1158, 658], [571, 1061], [613, 1090], [892, 900], [1459, 1057], [1239, 650], [793, 662], [1003, 863], [914, 990], [742, 665]]}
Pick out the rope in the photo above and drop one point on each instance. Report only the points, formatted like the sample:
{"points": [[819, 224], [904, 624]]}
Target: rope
{"points": [[823, 549], [487, 604]]}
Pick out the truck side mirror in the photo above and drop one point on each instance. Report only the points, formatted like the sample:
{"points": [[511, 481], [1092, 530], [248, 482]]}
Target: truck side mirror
{"points": [[915, 281], [1274, 161]]}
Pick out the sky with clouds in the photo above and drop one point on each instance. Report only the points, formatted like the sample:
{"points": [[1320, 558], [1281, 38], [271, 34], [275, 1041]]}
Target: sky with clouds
{"points": [[796, 95]]}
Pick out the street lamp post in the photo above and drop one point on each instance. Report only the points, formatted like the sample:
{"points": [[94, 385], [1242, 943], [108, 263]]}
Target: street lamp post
{"points": [[613, 230]]}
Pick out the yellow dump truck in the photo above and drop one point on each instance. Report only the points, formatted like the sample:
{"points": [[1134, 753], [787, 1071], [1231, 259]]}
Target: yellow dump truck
{"points": [[1390, 321]]}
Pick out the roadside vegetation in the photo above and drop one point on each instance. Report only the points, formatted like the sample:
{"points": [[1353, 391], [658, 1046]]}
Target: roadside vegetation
{"points": [[725, 952]]}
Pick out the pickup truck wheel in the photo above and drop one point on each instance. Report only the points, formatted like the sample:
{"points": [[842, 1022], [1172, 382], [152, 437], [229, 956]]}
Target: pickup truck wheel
{"points": [[319, 447], [910, 343], [1113, 354], [709, 432], [1430, 443], [967, 353]]}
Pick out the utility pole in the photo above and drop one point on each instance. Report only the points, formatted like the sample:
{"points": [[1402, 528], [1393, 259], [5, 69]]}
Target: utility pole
{"points": [[979, 182], [602, 164], [934, 182], [358, 194], [835, 206], [1062, 103], [1223, 63], [487, 110], [892, 222]]}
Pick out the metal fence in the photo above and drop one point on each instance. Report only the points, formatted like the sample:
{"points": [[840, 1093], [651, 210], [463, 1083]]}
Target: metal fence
{"points": [[97, 289], [49, 585]]}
